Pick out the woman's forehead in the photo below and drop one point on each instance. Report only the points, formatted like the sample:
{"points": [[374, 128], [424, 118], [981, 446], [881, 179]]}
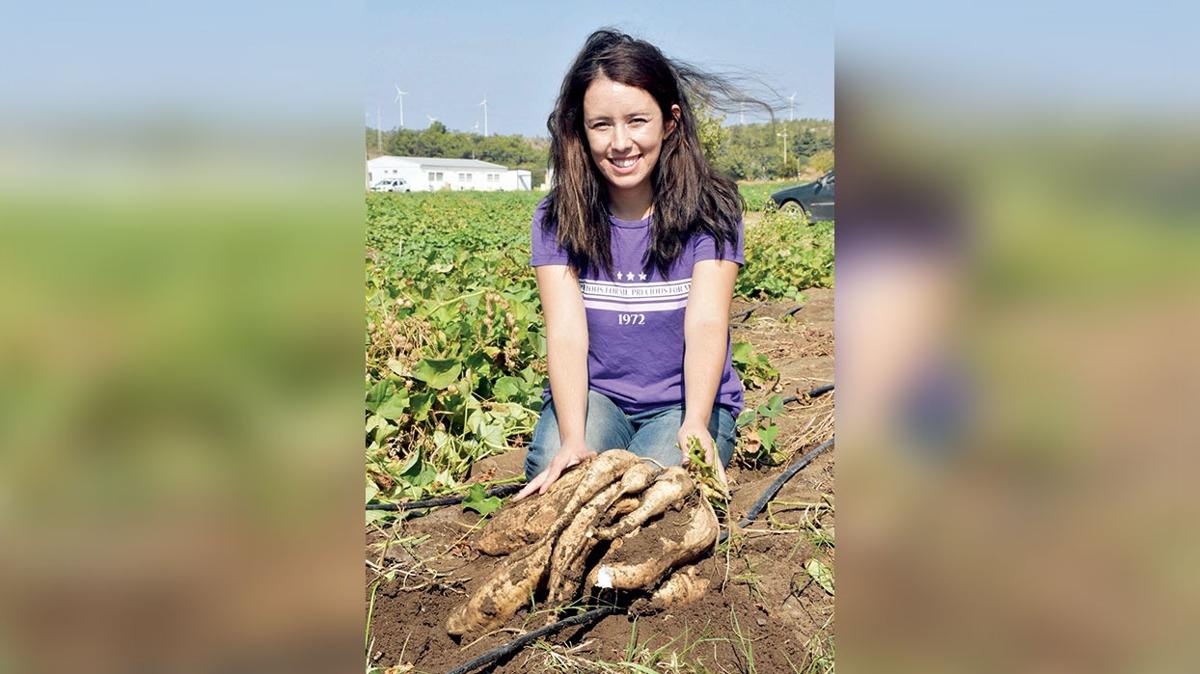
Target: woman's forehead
{"points": [[606, 96]]}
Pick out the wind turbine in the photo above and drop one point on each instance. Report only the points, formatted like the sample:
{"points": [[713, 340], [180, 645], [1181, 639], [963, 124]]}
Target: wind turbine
{"points": [[378, 129], [432, 119], [485, 126], [400, 99], [791, 104]]}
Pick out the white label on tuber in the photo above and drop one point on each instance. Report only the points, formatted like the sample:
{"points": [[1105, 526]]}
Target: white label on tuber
{"points": [[604, 577]]}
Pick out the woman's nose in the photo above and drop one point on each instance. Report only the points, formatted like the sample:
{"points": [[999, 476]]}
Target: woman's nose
{"points": [[621, 138]]}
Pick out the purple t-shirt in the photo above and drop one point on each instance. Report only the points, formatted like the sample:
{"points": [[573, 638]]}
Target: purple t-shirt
{"points": [[635, 321]]}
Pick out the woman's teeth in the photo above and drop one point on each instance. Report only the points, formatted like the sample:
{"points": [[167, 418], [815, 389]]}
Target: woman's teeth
{"points": [[624, 163]]}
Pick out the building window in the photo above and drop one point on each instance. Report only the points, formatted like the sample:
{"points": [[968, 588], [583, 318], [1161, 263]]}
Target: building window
{"points": [[493, 177], [464, 177], [435, 176]]}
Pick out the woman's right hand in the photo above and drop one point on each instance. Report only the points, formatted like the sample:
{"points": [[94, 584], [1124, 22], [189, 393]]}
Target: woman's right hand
{"points": [[567, 456]]}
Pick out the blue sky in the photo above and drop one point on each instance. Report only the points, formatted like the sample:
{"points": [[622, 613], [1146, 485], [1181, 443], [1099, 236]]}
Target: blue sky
{"points": [[321, 63], [1103, 55], [448, 56]]}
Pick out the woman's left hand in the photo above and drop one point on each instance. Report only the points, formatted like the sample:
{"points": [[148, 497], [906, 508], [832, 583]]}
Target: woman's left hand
{"points": [[700, 432]]}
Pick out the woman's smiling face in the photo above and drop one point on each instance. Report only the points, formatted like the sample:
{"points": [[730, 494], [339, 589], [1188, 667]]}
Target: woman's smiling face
{"points": [[625, 132]]}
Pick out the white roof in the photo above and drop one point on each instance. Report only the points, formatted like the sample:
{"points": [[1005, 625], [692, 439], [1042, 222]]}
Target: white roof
{"points": [[437, 162]]}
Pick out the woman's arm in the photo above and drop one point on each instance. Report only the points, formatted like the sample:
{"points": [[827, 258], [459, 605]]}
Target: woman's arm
{"points": [[706, 335], [566, 355]]}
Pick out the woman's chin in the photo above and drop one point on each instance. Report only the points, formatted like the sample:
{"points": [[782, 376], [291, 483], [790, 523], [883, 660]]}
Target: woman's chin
{"points": [[625, 182]]}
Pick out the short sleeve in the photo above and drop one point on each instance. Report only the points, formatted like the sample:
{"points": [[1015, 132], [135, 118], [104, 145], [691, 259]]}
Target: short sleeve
{"points": [[704, 247], [544, 240]]}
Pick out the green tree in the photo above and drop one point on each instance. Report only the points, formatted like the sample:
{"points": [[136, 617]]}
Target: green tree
{"points": [[711, 132]]}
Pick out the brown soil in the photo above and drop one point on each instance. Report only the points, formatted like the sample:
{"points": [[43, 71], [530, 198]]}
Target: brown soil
{"points": [[762, 605]]}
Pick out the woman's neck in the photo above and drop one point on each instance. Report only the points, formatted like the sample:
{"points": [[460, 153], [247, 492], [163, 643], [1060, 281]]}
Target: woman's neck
{"points": [[632, 204]]}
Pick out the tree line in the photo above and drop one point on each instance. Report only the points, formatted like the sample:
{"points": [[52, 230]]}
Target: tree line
{"points": [[743, 152]]}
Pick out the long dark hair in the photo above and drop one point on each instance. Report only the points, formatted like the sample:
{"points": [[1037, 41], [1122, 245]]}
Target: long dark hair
{"points": [[690, 197]]}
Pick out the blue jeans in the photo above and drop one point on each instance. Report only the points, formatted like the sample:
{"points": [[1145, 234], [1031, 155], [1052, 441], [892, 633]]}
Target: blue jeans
{"points": [[651, 434]]}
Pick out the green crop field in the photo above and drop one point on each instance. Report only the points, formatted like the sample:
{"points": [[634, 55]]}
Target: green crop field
{"points": [[455, 348], [757, 194]]}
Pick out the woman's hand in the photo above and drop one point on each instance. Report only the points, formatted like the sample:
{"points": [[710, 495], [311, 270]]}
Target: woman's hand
{"points": [[567, 456], [693, 429]]}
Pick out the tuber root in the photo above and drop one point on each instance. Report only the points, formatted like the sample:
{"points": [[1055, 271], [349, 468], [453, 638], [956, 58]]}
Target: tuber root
{"points": [[502, 595], [525, 522], [577, 540], [671, 487], [622, 508], [680, 589], [675, 539], [600, 472]]}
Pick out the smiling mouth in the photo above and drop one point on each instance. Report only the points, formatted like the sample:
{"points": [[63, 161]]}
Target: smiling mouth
{"points": [[626, 162]]}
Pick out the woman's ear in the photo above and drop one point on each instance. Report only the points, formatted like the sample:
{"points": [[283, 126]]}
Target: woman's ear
{"points": [[676, 112]]}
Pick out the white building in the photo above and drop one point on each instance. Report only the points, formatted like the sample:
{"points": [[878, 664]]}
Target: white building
{"points": [[427, 174]]}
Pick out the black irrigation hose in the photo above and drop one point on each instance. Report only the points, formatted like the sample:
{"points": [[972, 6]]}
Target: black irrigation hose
{"points": [[769, 493], [604, 611], [815, 393], [745, 315], [502, 490], [519, 643]]}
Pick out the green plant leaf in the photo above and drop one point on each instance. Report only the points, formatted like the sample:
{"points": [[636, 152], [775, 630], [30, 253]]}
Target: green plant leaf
{"points": [[397, 367], [436, 373], [742, 351], [419, 474], [478, 500], [376, 515], [767, 436], [376, 394], [506, 388], [383, 430], [395, 407], [773, 407], [820, 573], [421, 404]]}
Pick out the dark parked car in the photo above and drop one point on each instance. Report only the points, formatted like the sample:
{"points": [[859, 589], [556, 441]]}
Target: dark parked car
{"points": [[814, 199]]}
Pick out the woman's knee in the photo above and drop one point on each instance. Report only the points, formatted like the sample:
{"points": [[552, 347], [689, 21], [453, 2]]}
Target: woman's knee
{"points": [[725, 434], [544, 444], [605, 427]]}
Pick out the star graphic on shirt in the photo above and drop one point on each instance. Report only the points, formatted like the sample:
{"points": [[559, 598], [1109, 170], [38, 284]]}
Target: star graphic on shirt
{"points": [[641, 277], [618, 276], [629, 275]]}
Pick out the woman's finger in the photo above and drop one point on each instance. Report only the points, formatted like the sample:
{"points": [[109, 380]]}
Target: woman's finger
{"points": [[529, 488], [552, 474]]}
